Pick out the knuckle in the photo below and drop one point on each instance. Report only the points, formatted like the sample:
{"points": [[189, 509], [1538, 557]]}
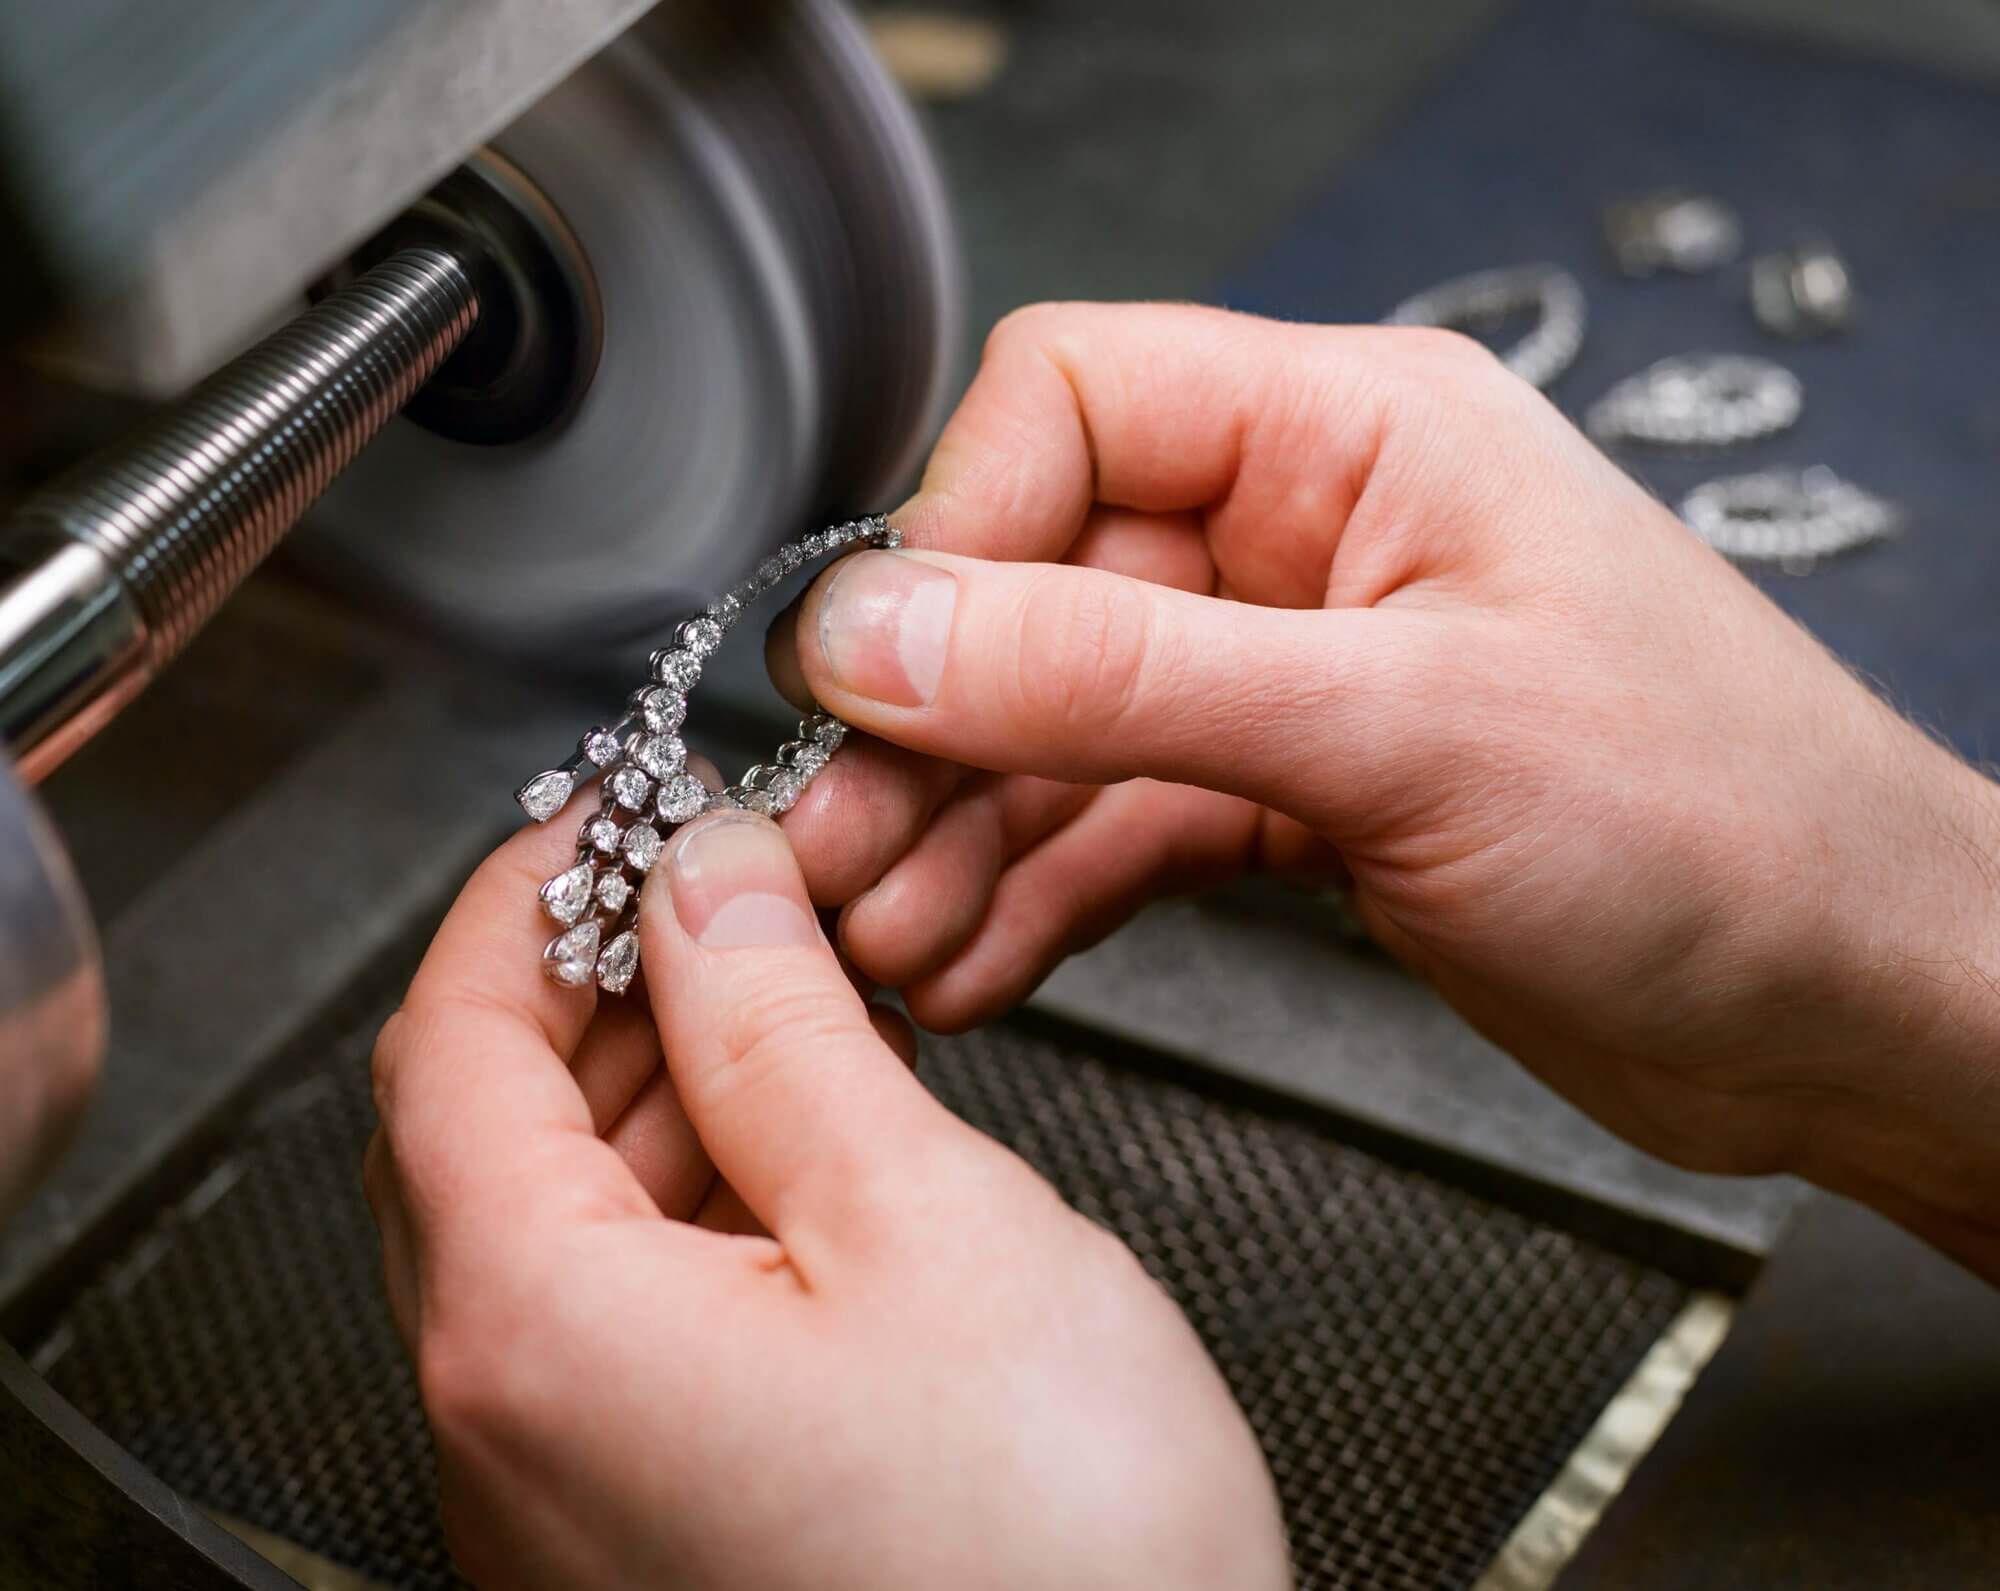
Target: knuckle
{"points": [[758, 1038], [386, 1060], [1443, 348], [464, 1390], [1086, 645], [1030, 326]]}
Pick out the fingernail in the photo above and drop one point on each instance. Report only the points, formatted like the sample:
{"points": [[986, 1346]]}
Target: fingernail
{"points": [[735, 884], [884, 624]]}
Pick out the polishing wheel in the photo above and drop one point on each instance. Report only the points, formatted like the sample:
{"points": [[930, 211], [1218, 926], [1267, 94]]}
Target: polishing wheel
{"points": [[729, 297]]}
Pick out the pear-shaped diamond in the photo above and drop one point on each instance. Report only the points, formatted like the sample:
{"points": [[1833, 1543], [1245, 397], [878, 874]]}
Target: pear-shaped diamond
{"points": [[565, 896], [642, 846], [571, 957], [542, 797], [618, 962]]}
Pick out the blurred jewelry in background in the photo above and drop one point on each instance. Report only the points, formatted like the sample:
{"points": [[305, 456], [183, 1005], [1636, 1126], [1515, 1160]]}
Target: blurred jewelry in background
{"points": [[1792, 518], [1698, 400], [1483, 301], [1671, 230], [1803, 292]]}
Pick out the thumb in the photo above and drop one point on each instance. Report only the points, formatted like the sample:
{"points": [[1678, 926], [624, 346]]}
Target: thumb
{"points": [[1086, 676], [804, 1109]]}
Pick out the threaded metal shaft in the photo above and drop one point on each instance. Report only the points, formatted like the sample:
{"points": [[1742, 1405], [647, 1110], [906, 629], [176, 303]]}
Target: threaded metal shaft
{"points": [[188, 507], [109, 572]]}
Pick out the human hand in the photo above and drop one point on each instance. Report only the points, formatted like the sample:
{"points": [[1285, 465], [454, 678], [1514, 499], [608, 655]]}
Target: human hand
{"points": [[769, 1316], [52, 1012], [1210, 594]]}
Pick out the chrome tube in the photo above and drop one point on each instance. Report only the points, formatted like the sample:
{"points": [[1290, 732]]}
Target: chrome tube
{"points": [[106, 574]]}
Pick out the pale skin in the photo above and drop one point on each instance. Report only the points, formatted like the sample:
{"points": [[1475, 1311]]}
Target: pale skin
{"points": [[704, 1288]]}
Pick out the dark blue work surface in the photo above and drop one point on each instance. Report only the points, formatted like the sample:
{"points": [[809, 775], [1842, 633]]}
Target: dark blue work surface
{"points": [[1569, 103]]}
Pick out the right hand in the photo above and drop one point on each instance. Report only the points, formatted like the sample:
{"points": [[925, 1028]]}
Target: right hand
{"points": [[1209, 594]]}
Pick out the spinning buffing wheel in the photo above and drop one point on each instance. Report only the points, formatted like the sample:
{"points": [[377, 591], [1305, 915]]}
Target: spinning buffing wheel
{"points": [[771, 255]]}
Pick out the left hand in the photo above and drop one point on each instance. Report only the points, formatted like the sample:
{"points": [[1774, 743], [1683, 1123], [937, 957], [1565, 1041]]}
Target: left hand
{"points": [[765, 1314]]}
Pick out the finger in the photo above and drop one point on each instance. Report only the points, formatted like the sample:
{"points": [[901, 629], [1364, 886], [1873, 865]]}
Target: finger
{"points": [[490, 943], [1132, 844], [894, 1030], [616, 1058], [654, 1137], [724, 1211], [392, 1221], [1087, 677], [802, 1107], [861, 812], [1167, 549], [1267, 430], [722, 1207], [488, 1127], [928, 906]]}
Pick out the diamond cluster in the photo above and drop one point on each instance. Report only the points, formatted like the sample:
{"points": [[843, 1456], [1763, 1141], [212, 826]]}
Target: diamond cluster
{"points": [[647, 790]]}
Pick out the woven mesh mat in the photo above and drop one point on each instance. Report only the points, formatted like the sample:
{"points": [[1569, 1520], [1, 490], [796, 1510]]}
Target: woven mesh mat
{"points": [[1417, 1361]]}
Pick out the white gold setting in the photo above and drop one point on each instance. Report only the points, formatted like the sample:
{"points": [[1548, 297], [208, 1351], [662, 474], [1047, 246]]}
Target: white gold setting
{"points": [[1699, 400], [647, 791], [1485, 298], [1791, 518]]}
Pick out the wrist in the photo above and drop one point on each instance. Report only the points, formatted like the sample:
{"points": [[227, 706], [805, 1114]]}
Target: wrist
{"points": [[1911, 1123]]}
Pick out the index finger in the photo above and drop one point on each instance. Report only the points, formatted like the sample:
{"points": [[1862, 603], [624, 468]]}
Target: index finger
{"points": [[1266, 430], [472, 1083]]}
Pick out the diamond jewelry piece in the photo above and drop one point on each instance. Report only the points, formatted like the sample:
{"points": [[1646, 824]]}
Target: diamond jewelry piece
{"points": [[682, 798], [630, 788], [1803, 292], [663, 709], [571, 957], [1791, 518], [701, 635], [565, 895], [1486, 298], [679, 668], [644, 764], [1698, 400], [543, 796], [1672, 230], [613, 891], [661, 756], [642, 847], [618, 961]]}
